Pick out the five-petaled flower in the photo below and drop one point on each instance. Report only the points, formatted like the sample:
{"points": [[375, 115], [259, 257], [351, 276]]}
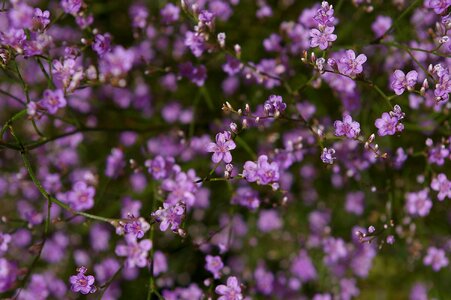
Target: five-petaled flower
{"points": [[402, 81], [82, 283], [222, 147], [322, 38], [351, 65], [347, 127], [231, 291]]}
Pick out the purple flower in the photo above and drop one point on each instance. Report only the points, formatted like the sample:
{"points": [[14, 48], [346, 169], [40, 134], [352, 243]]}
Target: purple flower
{"points": [[136, 252], [197, 75], [170, 13], [443, 87], [82, 283], [136, 227], [442, 185], [247, 197], [275, 105], [438, 154], [390, 239], [232, 65], [214, 265], [303, 267], [418, 204], [138, 13], [327, 156], [334, 249], [170, 216], [261, 172], [40, 19], [354, 203], [388, 125], [8, 274], [117, 62], [195, 42], [114, 163], [403, 81], [347, 127], [102, 44], [5, 239], [439, 6], [322, 38], [381, 25], [436, 258], [418, 292], [351, 65], [81, 197], [231, 291], [181, 188], [222, 147], [269, 220], [348, 289], [53, 100], [160, 167], [324, 16], [71, 6]]}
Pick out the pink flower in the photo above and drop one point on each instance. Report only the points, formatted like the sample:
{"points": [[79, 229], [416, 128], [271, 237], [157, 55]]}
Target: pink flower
{"points": [[222, 147], [351, 65], [231, 291], [322, 38], [401, 81]]}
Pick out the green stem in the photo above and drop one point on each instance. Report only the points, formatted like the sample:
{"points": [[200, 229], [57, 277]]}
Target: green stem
{"points": [[15, 117]]}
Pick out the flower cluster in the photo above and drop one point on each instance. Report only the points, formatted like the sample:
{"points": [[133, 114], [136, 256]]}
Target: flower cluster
{"points": [[324, 19]]}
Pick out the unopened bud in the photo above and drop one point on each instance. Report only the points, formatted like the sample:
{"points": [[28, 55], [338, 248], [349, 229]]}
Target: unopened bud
{"points": [[181, 232], [233, 126]]}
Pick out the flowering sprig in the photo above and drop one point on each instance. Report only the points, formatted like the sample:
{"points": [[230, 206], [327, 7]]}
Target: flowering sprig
{"points": [[82, 283]]}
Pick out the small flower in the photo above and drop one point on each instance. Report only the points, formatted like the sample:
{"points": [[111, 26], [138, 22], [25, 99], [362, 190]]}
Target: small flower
{"points": [[442, 185], [137, 227], [436, 258], [53, 100], [136, 252], [327, 156], [222, 147], [4, 241], [261, 172], [322, 38], [347, 127], [402, 81], [390, 239], [40, 19], [71, 6], [195, 42], [82, 283], [170, 13], [418, 204], [351, 65], [81, 197], [388, 125], [214, 265], [275, 105], [160, 167], [324, 16], [231, 291], [170, 216], [114, 163], [102, 44]]}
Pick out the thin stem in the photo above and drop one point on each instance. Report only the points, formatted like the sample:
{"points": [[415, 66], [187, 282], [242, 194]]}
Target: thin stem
{"points": [[50, 83], [12, 96], [15, 117]]}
